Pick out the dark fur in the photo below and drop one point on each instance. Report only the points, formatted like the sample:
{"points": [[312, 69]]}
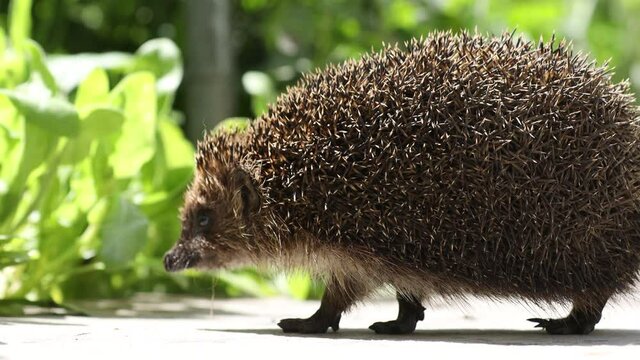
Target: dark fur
{"points": [[461, 165]]}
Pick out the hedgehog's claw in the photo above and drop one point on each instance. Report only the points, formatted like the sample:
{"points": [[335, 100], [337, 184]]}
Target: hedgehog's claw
{"points": [[565, 326], [541, 322]]}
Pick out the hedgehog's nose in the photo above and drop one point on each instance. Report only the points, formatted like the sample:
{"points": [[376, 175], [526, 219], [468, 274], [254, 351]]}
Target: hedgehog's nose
{"points": [[170, 260], [180, 258], [175, 260]]}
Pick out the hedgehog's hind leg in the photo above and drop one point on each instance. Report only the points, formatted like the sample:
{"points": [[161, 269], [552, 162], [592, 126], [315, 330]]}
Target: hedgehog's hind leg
{"points": [[337, 298], [410, 311], [582, 320]]}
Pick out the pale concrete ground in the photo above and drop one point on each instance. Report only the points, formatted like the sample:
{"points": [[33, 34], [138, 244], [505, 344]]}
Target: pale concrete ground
{"points": [[160, 327]]}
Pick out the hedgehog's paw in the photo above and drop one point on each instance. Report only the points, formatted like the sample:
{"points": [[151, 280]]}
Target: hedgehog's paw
{"points": [[394, 327], [565, 326], [313, 325], [410, 311]]}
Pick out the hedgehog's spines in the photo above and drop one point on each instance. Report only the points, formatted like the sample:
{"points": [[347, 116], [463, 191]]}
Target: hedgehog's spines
{"points": [[506, 165]]}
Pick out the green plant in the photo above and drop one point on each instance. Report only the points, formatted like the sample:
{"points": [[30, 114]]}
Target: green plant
{"points": [[94, 167], [92, 174]]}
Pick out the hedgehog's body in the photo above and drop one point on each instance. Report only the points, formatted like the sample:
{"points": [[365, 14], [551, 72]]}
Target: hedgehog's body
{"points": [[461, 165]]}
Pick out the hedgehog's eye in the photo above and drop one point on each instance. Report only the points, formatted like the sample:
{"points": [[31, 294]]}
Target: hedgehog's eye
{"points": [[203, 220]]}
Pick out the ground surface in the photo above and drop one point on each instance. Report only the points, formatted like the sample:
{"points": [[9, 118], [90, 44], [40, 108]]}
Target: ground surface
{"points": [[152, 327]]}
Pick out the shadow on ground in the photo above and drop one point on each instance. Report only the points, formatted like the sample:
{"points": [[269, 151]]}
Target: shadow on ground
{"points": [[611, 337]]}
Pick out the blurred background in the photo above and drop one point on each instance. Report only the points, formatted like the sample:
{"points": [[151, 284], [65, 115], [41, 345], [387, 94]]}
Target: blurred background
{"points": [[102, 101]]}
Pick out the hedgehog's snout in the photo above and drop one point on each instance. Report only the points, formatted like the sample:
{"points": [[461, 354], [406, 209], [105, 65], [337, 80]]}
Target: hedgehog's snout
{"points": [[179, 258]]}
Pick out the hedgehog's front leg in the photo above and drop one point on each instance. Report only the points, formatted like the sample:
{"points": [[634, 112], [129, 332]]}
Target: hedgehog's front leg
{"points": [[582, 320], [337, 298], [410, 311]]}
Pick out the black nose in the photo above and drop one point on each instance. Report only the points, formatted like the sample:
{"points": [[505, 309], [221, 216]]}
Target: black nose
{"points": [[170, 260], [180, 258]]}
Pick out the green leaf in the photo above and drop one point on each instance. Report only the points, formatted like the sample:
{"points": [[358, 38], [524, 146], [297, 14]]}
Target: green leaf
{"points": [[136, 94], [6, 142], [53, 115], [3, 43], [299, 286], [538, 18], [178, 150], [245, 282], [93, 90], [19, 22], [403, 15], [98, 124], [261, 88], [163, 231], [124, 233], [102, 121], [169, 173], [11, 258], [163, 58], [101, 170], [71, 70], [232, 124], [83, 186], [13, 69], [36, 146], [37, 61], [5, 239], [76, 150]]}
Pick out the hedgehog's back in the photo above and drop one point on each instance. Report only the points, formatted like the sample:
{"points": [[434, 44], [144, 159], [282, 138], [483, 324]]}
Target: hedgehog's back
{"points": [[500, 163]]}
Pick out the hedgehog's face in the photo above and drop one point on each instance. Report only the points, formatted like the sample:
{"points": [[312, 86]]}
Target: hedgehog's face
{"points": [[215, 219]]}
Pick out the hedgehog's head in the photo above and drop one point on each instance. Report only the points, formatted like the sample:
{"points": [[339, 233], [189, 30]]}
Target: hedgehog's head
{"points": [[220, 207]]}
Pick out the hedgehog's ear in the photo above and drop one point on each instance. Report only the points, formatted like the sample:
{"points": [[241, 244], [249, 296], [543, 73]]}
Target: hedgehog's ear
{"points": [[246, 199]]}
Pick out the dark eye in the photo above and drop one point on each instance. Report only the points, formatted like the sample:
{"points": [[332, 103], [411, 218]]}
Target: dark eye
{"points": [[203, 220]]}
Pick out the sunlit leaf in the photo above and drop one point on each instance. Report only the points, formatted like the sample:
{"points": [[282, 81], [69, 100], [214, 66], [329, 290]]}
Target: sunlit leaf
{"points": [[70, 70], [77, 149], [178, 150], [53, 115], [19, 22], [232, 124], [163, 58], [83, 186], [36, 146], [3, 41], [102, 121], [404, 14], [261, 88], [246, 283], [93, 90], [38, 62], [136, 95], [299, 285]]}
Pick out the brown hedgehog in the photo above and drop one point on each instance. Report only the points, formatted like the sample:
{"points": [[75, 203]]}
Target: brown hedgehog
{"points": [[458, 165]]}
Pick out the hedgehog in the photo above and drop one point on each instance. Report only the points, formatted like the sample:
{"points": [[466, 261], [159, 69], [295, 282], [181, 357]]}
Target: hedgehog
{"points": [[451, 166]]}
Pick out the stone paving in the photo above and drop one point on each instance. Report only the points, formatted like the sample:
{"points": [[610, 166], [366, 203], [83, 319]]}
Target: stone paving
{"points": [[170, 327]]}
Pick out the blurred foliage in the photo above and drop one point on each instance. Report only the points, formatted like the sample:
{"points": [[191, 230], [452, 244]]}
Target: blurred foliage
{"points": [[94, 162], [71, 26], [94, 168], [92, 175], [283, 39]]}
